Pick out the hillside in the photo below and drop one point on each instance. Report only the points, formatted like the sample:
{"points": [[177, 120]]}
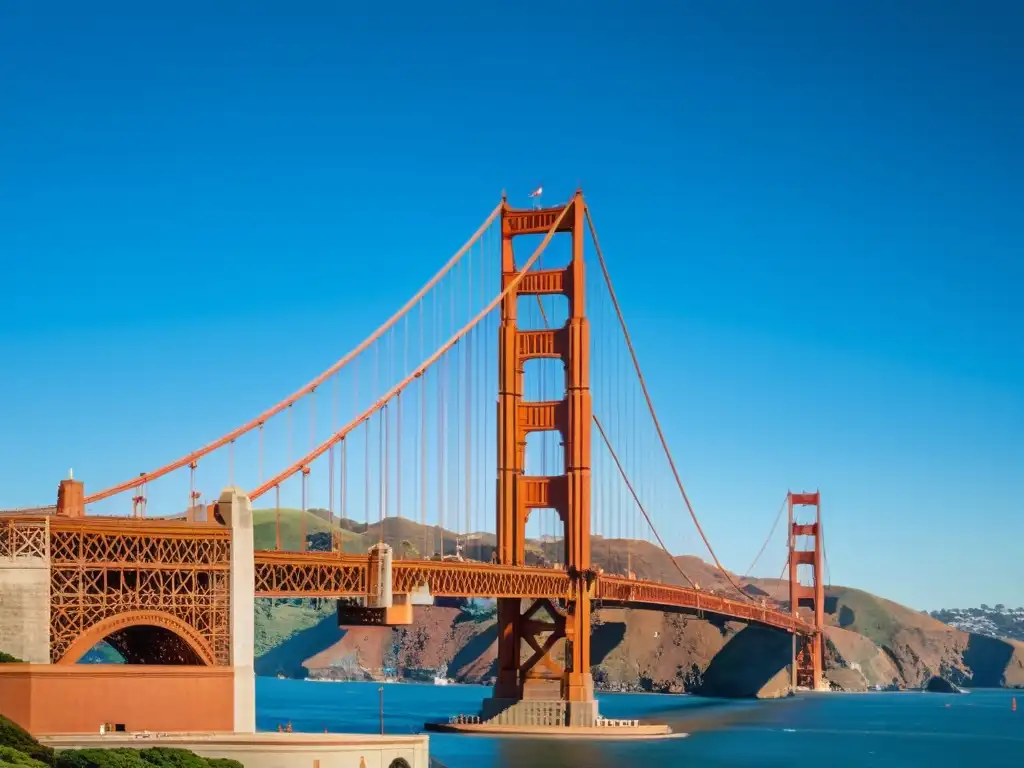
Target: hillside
{"points": [[870, 641], [998, 621]]}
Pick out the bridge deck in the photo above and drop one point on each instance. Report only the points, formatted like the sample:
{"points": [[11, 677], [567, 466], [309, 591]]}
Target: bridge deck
{"points": [[323, 574], [117, 542]]}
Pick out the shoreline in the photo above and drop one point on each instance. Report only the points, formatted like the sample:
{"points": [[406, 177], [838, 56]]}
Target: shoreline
{"points": [[608, 692]]}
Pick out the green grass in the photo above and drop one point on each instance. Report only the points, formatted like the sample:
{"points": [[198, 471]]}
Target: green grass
{"points": [[293, 522], [277, 620], [875, 618]]}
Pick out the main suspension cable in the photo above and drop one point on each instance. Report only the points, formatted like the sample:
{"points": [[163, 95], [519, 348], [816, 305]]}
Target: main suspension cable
{"points": [[778, 517], [625, 477], [639, 504], [650, 406], [375, 407], [288, 401]]}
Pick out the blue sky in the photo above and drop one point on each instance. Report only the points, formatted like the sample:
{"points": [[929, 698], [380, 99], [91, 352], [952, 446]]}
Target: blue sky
{"points": [[812, 216]]}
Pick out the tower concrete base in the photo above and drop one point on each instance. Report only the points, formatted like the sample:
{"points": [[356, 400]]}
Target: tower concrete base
{"points": [[519, 713]]}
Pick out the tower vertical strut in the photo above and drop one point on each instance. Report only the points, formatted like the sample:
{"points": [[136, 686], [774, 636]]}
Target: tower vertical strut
{"points": [[808, 663], [539, 687]]}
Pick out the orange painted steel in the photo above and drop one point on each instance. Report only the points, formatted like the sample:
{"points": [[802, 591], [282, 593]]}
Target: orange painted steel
{"points": [[159, 589], [24, 537], [117, 629], [808, 666], [326, 575], [568, 494], [109, 575], [650, 408], [176, 573], [632, 492], [655, 594], [396, 390], [554, 286], [311, 574], [479, 579], [310, 387]]}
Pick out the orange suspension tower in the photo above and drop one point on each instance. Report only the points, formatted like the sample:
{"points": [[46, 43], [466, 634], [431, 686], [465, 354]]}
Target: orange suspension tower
{"points": [[538, 689], [808, 652]]}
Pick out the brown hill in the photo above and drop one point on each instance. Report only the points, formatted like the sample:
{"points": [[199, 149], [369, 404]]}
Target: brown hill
{"points": [[870, 641]]}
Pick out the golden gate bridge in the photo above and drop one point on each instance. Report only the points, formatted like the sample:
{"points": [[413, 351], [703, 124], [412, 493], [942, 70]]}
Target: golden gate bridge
{"points": [[405, 427]]}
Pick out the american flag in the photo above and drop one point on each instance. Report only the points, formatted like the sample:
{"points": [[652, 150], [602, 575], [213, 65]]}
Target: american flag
{"points": [[537, 192]]}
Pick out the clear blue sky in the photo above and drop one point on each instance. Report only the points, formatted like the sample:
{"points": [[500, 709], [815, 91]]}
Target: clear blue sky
{"points": [[813, 215]]}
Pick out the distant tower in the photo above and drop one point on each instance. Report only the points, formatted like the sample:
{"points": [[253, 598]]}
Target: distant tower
{"points": [[808, 652]]}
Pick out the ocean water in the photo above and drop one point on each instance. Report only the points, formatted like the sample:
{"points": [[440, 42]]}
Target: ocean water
{"points": [[837, 730]]}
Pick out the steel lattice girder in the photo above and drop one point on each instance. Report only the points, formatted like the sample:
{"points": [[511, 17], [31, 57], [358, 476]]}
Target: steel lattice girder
{"points": [[322, 574]]}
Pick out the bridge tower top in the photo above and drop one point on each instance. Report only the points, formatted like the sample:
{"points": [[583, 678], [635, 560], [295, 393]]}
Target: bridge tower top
{"points": [[567, 494]]}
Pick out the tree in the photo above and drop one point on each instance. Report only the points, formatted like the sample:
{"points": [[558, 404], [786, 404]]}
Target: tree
{"points": [[984, 607], [6, 658], [319, 541]]}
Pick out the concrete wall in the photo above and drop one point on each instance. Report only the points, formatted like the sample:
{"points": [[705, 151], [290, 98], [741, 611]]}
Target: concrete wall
{"points": [[279, 750], [78, 698], [25, 608]]}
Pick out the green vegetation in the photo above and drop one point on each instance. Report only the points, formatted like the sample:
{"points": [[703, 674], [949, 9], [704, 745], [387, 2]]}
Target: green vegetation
{"points": [[9, 756], [873, 617], [17, 738], [6, 658], [277, 620], [154, 757], [18, 749], [293, 523], [480, 610]]}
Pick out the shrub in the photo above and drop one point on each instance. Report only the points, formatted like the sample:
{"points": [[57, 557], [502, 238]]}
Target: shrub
{"points": [[6, 658], [10, 757], [222, 762], [19, 750], [101, 758], [170, 757], [14, 736], [152, 757]]}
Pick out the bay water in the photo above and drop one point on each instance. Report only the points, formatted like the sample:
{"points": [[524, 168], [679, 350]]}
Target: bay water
{"points": [[978, 729]]}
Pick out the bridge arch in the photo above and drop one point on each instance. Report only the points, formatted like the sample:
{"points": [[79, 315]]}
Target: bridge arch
{"points": [[145, 637]]}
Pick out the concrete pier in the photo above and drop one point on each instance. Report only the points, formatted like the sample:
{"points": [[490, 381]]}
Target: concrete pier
{"points": [[25, 592], [236, 511]]}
